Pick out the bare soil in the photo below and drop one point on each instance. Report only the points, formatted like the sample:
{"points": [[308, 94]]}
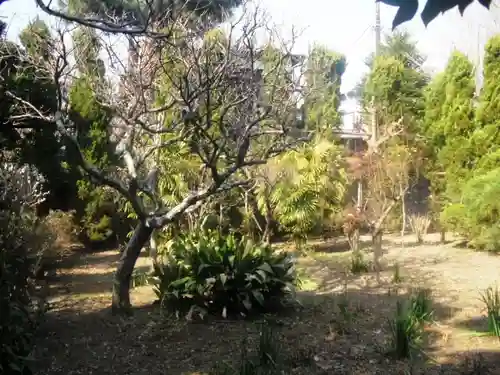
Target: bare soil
{"points": [[80, 336]]}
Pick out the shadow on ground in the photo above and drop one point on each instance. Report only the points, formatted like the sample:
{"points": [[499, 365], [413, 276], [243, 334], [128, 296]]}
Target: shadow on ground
{"points": [[89, 273], [317, 338], [471, 363], [476, 324], [86, 284], [91, 258], [340, 245]]}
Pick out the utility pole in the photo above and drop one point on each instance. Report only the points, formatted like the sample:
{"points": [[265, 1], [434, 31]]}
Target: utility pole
{"points": [[374, 130], [478, 62], [376, 236], [374, 127]]}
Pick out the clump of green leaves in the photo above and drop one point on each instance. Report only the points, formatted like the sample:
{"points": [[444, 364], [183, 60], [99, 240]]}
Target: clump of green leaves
{"points": [[421, 305], [406, 333], [21, 243], [491, 300], [358, 263], [267, 360], [396, 277], [477, 216], [223, 275], [140, 278], [407, 326]]}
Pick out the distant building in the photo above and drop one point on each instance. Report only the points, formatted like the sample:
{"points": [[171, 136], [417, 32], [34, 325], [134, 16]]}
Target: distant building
{"points": [[353, 131]]}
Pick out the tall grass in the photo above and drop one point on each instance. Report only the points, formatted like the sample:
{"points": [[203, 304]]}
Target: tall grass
{"points": [[266, 361], [407, 327], [491, 299], [358, 263]]}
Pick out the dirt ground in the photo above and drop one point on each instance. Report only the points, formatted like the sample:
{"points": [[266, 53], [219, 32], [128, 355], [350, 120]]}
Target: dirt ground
{"points": [[80, 336]]}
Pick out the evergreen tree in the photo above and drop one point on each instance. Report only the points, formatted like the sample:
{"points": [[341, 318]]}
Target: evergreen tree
{"points": [[476, 214], [96, 209], [27, 139], [323, 79], [456, 124], [485, 141]]}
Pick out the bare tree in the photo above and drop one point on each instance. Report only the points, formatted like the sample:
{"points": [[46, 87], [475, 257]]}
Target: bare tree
{"points": [[219, 91], [386, 170]]}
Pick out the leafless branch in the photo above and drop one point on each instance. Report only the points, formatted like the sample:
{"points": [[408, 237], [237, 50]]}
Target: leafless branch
{"points": [[219, 98]]}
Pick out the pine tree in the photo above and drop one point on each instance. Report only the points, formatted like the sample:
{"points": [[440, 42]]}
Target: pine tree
{"points": [[477, 213], [96, 207], [323, 79]]}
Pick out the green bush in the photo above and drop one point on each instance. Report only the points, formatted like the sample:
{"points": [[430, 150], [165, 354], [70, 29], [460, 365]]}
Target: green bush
{"points": [[491, 299], [20, 246], [223, 275], [478, 216], [407, 326], [358, 263], [100, 230]]}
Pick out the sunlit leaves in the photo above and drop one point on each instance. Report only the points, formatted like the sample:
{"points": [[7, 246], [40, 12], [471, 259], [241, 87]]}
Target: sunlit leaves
{"points": [[323, 79], [304, 184]]}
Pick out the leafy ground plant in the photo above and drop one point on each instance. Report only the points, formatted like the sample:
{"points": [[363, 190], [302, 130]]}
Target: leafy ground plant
{"points": [[406, 333], [267, 360], [358, 263], [407, 328], [224, 275], [421, 306], [491, 300], [396, 277]]}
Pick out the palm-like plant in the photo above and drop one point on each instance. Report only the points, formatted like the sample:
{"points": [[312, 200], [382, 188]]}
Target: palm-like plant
{"points": [[304, 186]]}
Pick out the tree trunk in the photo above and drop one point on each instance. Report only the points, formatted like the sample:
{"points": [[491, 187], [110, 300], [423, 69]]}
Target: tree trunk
{"points": [[403, 218], [121, 285], [153, 250], [442, 236], [260, 220], [353, 239], [377, 251], [268, 230]]}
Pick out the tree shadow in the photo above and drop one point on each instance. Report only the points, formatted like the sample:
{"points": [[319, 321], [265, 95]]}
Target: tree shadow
{"points": [[84, 284], [341, 245], [80, 255], [477, 324], [480, 362]]}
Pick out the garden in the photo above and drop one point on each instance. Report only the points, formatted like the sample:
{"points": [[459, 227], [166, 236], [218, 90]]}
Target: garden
{"points": [[176, 198]]}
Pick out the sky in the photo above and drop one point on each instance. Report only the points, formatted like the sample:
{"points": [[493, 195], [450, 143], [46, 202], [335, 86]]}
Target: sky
{"points": [[346, 26]]}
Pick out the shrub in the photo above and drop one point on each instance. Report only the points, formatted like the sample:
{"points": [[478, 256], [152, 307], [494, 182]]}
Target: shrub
{"points": [[358, 263], [20, 242], [407, 327], [421, 305], [406, 332], [478, 215], [267, 360], [223, 274], [396, 276], [420, 225], [491, 299], [101, 230], [55, 235]]}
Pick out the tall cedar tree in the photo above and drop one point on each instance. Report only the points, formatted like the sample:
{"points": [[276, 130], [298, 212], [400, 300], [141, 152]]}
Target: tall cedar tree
{"points": [[97, 207], [477, 213]]}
